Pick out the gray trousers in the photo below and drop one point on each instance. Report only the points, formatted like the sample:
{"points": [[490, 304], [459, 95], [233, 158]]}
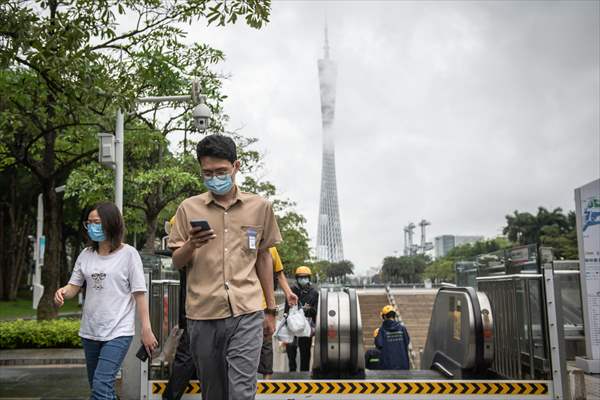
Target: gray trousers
{"points": [[226, 353]]}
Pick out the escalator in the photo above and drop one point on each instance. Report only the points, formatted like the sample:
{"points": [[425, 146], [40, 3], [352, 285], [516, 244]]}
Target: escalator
{"points": [[460, 339], [456, 358]]}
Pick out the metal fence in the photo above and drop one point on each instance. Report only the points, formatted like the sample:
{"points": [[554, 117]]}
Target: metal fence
{"points": [[164, 308], [520, 341]]}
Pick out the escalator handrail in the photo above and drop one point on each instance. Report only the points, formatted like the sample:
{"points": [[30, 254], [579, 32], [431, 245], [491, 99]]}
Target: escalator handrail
{"points": [[323, 327], [353, 329], [477, 323]]}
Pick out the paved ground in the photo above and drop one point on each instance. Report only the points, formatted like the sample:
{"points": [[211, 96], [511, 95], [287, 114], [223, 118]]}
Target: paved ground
{"points": [[44, 382], [592, 387], [60, 374]]}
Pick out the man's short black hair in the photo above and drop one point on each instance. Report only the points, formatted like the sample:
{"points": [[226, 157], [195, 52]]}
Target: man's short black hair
{"points": [[217, 146]]}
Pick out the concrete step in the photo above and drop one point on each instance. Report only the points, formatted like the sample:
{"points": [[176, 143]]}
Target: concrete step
{"points": [[415, 311], [18, 357]]}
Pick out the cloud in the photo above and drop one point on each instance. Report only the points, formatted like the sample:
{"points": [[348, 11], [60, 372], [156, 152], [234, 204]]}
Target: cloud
{"points": [[457, 112]]}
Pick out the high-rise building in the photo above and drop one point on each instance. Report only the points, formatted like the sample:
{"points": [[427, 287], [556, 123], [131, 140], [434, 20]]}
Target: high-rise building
{"points": [[329, 233], [443, 244]]}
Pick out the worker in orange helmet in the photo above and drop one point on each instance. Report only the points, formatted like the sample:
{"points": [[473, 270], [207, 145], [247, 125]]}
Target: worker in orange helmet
{"points": [[393, 341], [308, 299]]}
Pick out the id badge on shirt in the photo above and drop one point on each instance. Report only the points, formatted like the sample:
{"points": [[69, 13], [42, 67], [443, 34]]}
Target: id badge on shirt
{"points": [[251, 238]]}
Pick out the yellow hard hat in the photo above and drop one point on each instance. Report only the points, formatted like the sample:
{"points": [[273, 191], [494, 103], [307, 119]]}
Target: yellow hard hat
{"points": [[303, 270], [376, 332], [386, 310]]}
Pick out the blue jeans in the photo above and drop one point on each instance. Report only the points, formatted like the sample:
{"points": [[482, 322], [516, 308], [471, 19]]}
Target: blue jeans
{"points": [[103, 360]]}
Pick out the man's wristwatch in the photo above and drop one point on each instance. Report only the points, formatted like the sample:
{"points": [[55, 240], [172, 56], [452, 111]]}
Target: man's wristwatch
{"points": [[271, 311]]}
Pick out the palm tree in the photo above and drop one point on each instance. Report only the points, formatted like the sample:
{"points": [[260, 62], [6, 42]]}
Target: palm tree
{"points": [[520, 227], [526, 228]]}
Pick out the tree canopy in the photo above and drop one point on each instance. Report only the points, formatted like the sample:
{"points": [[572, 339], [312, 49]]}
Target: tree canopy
{"points": [[404, 269], [334, 272], [549, 228], [68, 65], [294, 250], [442, 269]]}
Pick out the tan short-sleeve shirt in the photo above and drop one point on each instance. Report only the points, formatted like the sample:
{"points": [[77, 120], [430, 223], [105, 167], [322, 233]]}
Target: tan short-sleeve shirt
{"points": [[222, 279]]}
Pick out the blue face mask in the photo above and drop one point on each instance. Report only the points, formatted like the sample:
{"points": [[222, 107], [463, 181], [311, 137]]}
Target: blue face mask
{"points": [[219, 184], [95, 232]]}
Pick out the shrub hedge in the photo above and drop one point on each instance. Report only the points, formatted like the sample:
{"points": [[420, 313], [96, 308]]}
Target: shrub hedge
{"points": [[24, 334]]}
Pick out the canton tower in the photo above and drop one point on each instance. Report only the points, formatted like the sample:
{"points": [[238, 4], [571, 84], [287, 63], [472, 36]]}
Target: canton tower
{"points": [[329, 234]]}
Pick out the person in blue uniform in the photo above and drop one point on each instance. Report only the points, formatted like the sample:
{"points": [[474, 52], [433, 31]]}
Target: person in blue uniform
{"points": [[393, 341]]}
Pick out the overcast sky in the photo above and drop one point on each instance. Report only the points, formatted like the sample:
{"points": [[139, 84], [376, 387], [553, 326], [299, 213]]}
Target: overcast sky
{"points": [[456, 112]]}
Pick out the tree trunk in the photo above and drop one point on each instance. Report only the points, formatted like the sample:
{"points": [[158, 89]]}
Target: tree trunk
{"points": [[15, 225], [52, 201], [151, 225], [72, 251], [21, 253], [52, 257]]}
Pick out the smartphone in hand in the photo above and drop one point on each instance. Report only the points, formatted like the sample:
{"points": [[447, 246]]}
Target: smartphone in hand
{"points": [[202, 223], [142, 354]]}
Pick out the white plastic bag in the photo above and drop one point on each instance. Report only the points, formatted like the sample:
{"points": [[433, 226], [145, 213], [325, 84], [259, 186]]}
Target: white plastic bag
{"points": [[307, 331], [296, 321], [282, 332]]}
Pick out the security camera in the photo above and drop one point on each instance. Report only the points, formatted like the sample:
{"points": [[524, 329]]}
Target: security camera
{"points": [[201, 114]]}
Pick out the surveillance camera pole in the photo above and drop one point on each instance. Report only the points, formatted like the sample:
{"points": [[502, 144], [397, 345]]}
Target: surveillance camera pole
{"points": [[119, 142]]}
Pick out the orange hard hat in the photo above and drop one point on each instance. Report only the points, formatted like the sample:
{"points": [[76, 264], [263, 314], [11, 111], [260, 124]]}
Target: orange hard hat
{"points": [[303, 270], [386, 310]]}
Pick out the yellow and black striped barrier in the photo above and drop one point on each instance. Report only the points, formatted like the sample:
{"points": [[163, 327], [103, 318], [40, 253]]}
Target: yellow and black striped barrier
{"points": [[508, 388]]}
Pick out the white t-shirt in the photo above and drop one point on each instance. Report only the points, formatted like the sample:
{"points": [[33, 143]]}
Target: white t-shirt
{"points": [[109, 308]]}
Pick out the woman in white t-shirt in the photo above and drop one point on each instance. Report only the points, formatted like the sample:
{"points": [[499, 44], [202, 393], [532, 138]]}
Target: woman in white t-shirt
{"points": [[114, 278]]}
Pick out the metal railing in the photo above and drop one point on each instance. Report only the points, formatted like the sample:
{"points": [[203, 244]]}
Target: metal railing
{"points": [[520, 343], [164, 308]]}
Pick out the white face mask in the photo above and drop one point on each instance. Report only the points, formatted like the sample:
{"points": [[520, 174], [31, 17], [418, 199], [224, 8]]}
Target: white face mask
{"points": [[303, 281]]}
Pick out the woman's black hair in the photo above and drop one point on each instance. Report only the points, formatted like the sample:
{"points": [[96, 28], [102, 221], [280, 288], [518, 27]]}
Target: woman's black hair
{"points": [[217, 146], [112, 225]]}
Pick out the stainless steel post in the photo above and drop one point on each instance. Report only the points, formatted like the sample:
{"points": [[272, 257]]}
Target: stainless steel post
{"points": [[135, 373], [555, 327], [119, 143]]}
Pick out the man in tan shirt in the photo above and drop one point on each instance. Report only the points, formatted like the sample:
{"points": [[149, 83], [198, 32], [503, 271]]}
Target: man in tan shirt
{"points": [[230, 268]]}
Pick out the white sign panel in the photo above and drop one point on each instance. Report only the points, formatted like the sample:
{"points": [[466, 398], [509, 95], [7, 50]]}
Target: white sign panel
{"points": [[42, 249], [588, 234], [519, 255]]}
